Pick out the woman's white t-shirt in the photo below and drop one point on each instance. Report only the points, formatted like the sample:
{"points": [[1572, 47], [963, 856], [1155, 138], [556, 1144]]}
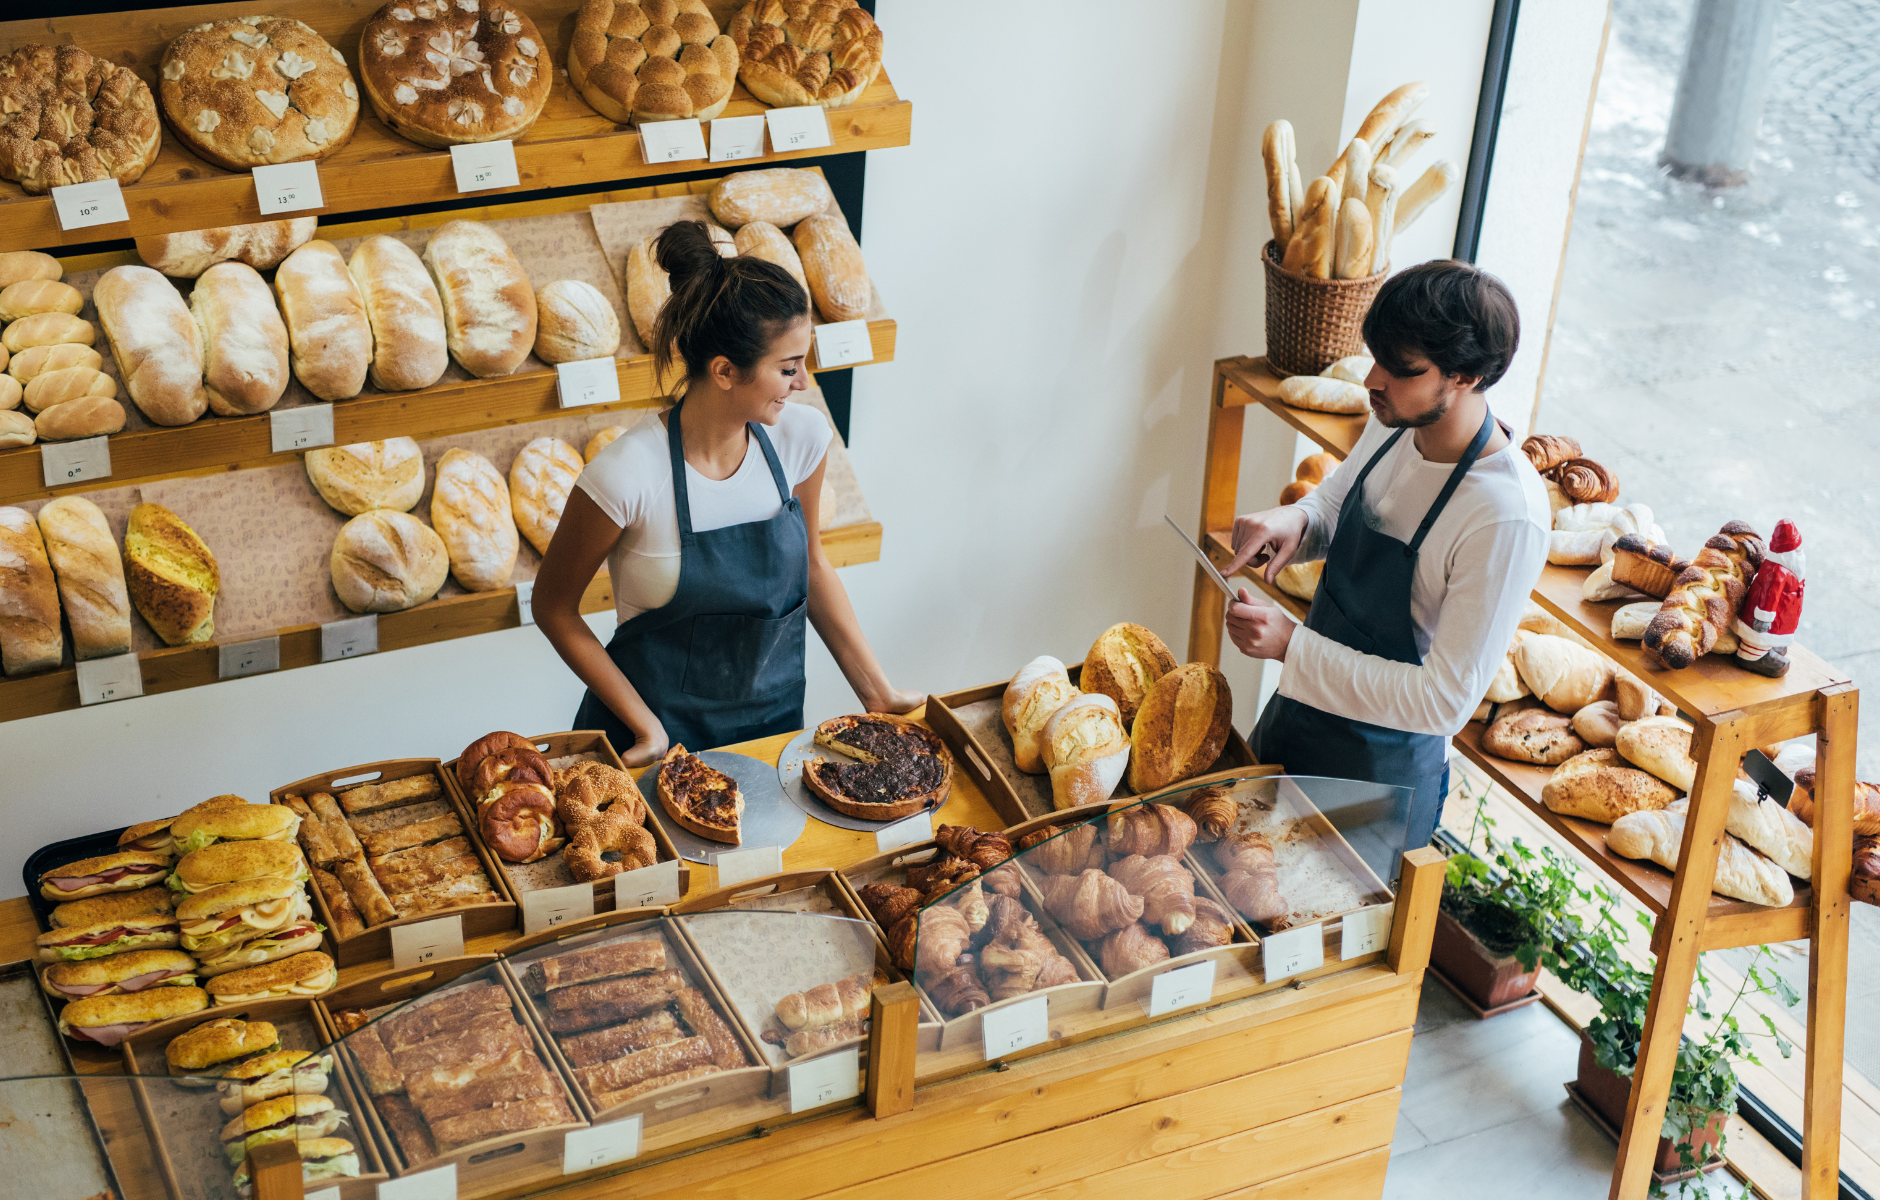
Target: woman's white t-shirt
{"points": [[631, 481]]}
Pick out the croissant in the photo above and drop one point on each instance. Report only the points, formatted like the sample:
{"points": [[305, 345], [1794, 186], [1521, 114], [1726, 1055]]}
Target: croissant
{"points": [[1584, 481], [1007, 917], [1069, 852], [903, 939], [888, 903], [944, 935], [1167, 889], [972, 905], [1214, 810], [957, 990], [940, 876], [1251, 882], [1151, 829], [1213, 926], [1002, 880], [1244, 852], [1131, 948], [1089, 905], [984, 850], [1022, 959], [1548, 450], [1704, 598]]}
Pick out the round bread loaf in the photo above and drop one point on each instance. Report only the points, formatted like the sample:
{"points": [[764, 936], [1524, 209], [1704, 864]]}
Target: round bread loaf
{"points": [[443, 73], [368, 475], [796, 52], [1123, 664], [71, 117], [11, 393], [88, 416], [56, 387], [17, 266], [1533, 735], [470, 511], [48, 329], [155, 342], [761, 239], [40, 359], [248, 91], [17, 429], [573, 322], [261, 245], [781, 196], [385, 561], [244, 342], [29, 297], [539, 482], [600, 441], [409, 350], [656, 60]]}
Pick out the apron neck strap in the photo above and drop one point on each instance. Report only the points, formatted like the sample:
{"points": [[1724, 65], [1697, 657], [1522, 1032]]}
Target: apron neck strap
{"points": [[675, 448], [1455, 480]]}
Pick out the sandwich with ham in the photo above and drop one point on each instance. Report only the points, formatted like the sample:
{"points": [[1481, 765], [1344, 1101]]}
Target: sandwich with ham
{"points": [[213, 1049], [222, 918], [284, 1118], [120, 872], [108, 1020], [77, 943], [321, 1160], [237, 862], [113, 906], [282, 1073], [155, 837], [306, 974], [119, 975], [200, 827]]}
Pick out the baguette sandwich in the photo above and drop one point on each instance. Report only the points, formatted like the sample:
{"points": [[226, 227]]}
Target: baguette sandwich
{"points": [[305, 974], [123, 871], [282, 1073], [214, 1048], [236, 862], [201, 827], [120, 974], [113, 906], [322, 1159], [108, 1020], [222, 918], [70, 944], [284, 1118]]}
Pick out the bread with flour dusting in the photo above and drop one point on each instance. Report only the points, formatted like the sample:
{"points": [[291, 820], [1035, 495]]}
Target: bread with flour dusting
{"points": [[407, 318], [244, 342], [470, 511], [574, 322], [489, 305], [326, 321], [539, 482], [155, 342]]}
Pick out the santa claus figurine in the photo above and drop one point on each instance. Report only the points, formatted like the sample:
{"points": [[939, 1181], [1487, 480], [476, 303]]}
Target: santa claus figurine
{"points": [[1772, 607]]}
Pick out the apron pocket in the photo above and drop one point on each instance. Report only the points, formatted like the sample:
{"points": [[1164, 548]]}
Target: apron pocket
{"points": [[1329, 619], [740, 658]]}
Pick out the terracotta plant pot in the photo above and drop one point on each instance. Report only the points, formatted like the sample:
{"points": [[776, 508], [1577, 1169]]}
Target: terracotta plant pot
{"points": [[1607, 1093], [1490, 980]]}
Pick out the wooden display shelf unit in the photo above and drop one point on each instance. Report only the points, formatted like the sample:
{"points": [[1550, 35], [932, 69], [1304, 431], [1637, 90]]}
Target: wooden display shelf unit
{"points": [[569, 145], [1733, 712]]}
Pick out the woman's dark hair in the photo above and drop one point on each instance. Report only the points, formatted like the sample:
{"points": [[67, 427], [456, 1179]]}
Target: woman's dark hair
{"points": [[730, 306], [1456, 315]]}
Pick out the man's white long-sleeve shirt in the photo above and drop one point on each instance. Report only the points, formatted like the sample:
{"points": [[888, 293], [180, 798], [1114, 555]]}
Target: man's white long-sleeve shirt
{"points": [[1473, 575]]}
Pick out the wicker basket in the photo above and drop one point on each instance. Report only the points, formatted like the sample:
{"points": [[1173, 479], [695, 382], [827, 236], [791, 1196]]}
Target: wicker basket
{"points": [[1312, 323]]}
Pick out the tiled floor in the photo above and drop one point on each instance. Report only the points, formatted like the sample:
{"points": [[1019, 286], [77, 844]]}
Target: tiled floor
{"points": [[1483, 1101]]}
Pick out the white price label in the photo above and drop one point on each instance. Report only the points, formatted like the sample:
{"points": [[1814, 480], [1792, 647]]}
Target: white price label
{"points": [[100, 202], [616, 1141], [1016, 1026], [480, 166], [671, 141], [804, 128], [1181, 988], [114, 678], [288, 187], [71, 462], [1293, 952], [439, 1183], [589, 381], [736, 866], [647, 887], [525, 602], [826, 1080], [549, 907], [248, 658], [737, 137], [843, 344], [427, 941], [349, 638], [1365, 931], [301, 428], [910, 831], [331, 1193]]}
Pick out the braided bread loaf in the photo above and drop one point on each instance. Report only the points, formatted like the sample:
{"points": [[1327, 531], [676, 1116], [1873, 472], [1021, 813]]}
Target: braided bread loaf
{"points": [[796, 52], [1704, 598]]}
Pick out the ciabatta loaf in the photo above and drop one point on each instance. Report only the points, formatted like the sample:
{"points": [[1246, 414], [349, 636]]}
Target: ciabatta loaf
{"points": [[1598, 786], [244, 341], [155, 342]]}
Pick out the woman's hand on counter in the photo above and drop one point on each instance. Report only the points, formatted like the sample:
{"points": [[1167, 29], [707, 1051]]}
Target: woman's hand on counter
{"points": [[894, 700], [649, 746]]}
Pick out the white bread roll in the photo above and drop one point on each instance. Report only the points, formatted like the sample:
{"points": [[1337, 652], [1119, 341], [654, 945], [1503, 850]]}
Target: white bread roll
{"points": [[12, 393], [40, 359], [1354, 369], [1771, 830], [87, 416], [1661, 745], [30, 297], [781, 196], [48, 329], [648, 289], [832, 262], [603, 439], [155, 342], [574, 322], [1041, 687], [362, 476], [470, 511], [1565, 675], [539, 482], [244, 341], [406, 316], [90, 571], [17, 429], [761, 239], [1319, 394], [385, 561], [489, 304], [56, 387], [30, 639], [326, 321], [1742, 874], [1085, 750], [16, 265], [261, 246]]}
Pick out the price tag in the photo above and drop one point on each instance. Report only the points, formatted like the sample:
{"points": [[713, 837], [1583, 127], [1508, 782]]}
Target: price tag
{"points": [[114, 678], [804, 128], [100, 202], [1293, 952], [910, 831], [826, 1080], [439, 1183], [736, 866], [248, 658], [525, 602], [1182, 988], [671, 141], [288, 187], [843, 344], [1016, 1026], [70, 462], [331, 1193], [646, 887], [549, 907], [301, 428], [737, 137], [426, 941], [480, 166], [589, 381], [1365, 931], [616, 1141], [349, 638]]}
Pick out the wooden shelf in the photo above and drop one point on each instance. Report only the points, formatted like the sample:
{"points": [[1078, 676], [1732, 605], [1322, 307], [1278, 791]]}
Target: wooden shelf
{"points": [[570, 145], [1251, 381], [1220, 548]]}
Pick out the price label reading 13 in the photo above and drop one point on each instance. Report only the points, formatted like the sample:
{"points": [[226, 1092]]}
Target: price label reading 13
{"points": [[803, 128]]}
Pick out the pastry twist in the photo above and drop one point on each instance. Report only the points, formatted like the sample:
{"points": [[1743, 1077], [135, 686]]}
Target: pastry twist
{"points": [[1584, 481], [1548, 450], [1704, 598]]}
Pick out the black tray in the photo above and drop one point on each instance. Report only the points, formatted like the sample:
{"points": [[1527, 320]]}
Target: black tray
{"points": [[45, 858]]}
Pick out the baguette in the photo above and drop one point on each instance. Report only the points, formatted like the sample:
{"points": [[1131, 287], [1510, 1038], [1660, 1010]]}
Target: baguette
{"points": [[90, 572], [30, 639], [1381, 123], [1357, 176], [1355, 249], [1276, 150], [1408, 139], [1316, 213], [155, 341], [1439, 178], [244, 342], [1381, 200]]}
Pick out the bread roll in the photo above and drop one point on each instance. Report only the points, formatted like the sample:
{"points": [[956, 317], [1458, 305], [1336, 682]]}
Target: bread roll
{"points": [[16, 429], [171, 575], [1770, 830], [761, 239], [1533, 735], [387, 561], [404, 312], [832, 262], [1085, 750], [1598, 724], [539, 482], [1319, 394], [1123, 664], [155, 342], [87, 416], [326, 321], [489, 305], [648, 289], [1040, 688], [781, 196], [12, 394], [1598, 786], [56, 387], [1564, 674], [1634, 699], [262, 245], [1301, 580], [1661, 745], [574, 322], [90, 571], [19, 265], [600, 441], [1742, 874], [366, 475], [49, 329], [470, 511], [31, 297], [1181, 727], [1356, 369], [30, 639], [244, 341], [40, 359], [1296, 491]]}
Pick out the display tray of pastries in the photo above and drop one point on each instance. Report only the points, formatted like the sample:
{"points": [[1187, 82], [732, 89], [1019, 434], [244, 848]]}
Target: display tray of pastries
{"points": [[883, 767]]}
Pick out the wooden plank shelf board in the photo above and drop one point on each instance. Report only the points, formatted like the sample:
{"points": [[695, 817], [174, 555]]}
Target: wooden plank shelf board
{"points": [[1220, 548], [1251, 381], [570, 145]]}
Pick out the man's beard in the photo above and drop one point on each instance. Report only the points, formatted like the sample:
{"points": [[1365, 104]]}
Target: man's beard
{"points": [[1421, 422]]}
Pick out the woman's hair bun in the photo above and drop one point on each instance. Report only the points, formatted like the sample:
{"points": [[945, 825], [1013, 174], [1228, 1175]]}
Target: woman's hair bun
{"points": [[730, 307], [684, 250]]}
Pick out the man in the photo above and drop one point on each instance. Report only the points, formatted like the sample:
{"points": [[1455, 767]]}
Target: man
{"points": [[1433, 532]]}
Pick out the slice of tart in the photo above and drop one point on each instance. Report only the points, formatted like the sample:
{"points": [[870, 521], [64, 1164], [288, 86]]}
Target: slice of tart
{"points": [[701, 799], [901, 768]]}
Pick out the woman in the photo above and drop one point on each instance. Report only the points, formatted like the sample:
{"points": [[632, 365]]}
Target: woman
{"points": [[704, 520]]}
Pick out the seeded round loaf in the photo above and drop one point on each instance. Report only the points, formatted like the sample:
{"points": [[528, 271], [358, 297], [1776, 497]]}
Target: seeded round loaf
{"points": [[68, 117]]}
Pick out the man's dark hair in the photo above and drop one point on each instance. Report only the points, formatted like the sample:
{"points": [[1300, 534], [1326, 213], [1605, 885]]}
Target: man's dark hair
{"points": [[1456, 315]]}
